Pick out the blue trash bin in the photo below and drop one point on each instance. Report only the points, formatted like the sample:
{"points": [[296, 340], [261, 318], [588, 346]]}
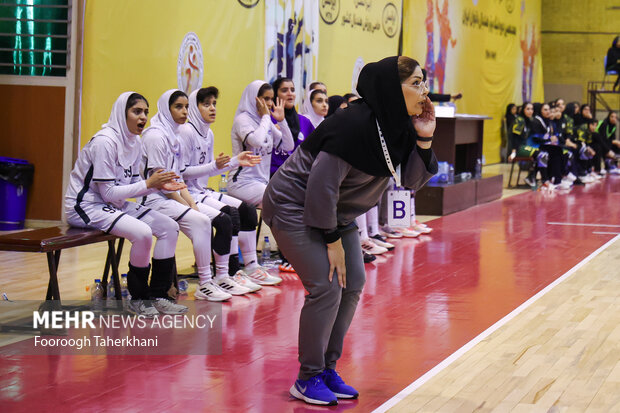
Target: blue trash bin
{"points": [[15, 180]]}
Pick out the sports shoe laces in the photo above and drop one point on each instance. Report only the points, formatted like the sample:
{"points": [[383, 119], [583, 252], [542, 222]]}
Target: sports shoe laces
{"points": [[333, 376], [317, 382]]}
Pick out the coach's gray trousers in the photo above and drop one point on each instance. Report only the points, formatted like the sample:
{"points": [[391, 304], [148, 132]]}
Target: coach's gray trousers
{"points": [[328, 309]]}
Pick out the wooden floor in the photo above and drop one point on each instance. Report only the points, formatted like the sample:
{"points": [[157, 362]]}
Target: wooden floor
{"points": [[561, 354], [422, 305]]}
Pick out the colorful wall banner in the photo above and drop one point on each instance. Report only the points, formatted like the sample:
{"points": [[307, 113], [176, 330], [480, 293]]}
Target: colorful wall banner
{"points": [[291, 41], [155, 45], [487, 49], [352, 33]]}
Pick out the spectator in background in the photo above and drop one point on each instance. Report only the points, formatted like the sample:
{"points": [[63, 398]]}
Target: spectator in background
{"points": [[584, 115], [509, 120], [613, 59], [335, 102]]}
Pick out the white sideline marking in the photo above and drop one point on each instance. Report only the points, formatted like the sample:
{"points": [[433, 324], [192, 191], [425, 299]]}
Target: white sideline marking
{"points": [[454, 356], [601, 232], [583, 225]]}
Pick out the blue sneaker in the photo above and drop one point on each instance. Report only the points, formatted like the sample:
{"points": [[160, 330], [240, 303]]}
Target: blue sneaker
{"points": [[313, 391], [333, 382]]}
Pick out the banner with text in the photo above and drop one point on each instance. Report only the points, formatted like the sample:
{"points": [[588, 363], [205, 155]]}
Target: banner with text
{"points": [[353, 33], [489, 50]]}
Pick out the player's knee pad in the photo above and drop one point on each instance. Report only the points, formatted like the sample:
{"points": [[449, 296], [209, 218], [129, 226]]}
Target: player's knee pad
{"points": [[223, 234], [248, 217], [235, 219]]}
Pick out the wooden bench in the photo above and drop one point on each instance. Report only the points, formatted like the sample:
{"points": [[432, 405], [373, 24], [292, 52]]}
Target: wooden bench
{"points": [[55, 239]]}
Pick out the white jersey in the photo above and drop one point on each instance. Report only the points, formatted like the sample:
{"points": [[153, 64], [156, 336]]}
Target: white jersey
{"points": [[98, 163], [261, 139], [199, 159], [157, 154]]}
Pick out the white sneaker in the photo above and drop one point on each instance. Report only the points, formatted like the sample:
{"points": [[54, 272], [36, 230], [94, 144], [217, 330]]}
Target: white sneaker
{"points": [[410, 232], [422, 226], [210, 292], [382, 242], [391, 233], [137, 307], [565, 184], [586, 179], [242, 279], [229, 285], [614, 171], [262, 277], [421, 229], [548, 186], [166, 306], [571, 177], [371, 248], [595, 176], [603, 172]]}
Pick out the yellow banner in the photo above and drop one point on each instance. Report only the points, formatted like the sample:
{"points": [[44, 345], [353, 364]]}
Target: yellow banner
{"points": [[351, 34], [150, 46], [487, 49]]}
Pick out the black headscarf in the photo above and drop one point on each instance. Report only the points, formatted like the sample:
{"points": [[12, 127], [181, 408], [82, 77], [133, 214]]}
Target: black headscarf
{"points": [[606, 129], [510, 118], [351, 133], [334, 104], [579, 118], [290, 115], [571, 109]]}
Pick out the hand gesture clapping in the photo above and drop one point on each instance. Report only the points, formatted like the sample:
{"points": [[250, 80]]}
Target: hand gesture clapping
{"points": [[247, 159], [222, 160], [159, 178]]}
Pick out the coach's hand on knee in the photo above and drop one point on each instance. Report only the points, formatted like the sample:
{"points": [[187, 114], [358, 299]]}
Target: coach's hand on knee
{"points": [[335, 254]]}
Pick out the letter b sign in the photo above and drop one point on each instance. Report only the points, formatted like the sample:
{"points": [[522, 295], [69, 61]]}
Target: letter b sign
{"points": [[399, 208]]}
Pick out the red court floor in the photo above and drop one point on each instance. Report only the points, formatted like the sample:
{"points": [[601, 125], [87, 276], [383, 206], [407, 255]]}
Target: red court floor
{"points": [[422, 303]]}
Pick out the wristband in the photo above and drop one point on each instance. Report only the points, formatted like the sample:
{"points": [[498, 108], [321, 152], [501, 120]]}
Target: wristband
{"points": [[423, 139], [331, 236]]}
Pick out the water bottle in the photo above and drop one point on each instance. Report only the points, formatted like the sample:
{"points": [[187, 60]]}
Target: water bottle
{"points": [[124, 289], [223, 184], [266, 255], [96, 295], [111, 295], [182, 284], [451, 174], [478, 174]]}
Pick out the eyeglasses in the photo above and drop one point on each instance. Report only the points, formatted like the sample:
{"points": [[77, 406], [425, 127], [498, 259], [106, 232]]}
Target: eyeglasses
{"points": [[420, 86]]}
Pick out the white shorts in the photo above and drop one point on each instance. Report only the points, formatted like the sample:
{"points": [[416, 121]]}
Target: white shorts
{"points": [[103, 216], [216, 200], [168, 207], [249, 191], [176, 210]]}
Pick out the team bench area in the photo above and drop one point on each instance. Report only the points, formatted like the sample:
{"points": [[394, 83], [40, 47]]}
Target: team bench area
{"points": [[55, 239]]}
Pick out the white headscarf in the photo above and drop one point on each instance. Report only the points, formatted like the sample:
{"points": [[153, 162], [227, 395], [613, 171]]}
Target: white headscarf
{"points": [[164, 122], [195, 117], [247, 104], [309, 112], [127, 144]]}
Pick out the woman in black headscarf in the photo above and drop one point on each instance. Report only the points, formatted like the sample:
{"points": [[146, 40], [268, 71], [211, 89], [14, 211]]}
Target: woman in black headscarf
{"points": [[613, 59], [335, 102], [338, 173]]}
